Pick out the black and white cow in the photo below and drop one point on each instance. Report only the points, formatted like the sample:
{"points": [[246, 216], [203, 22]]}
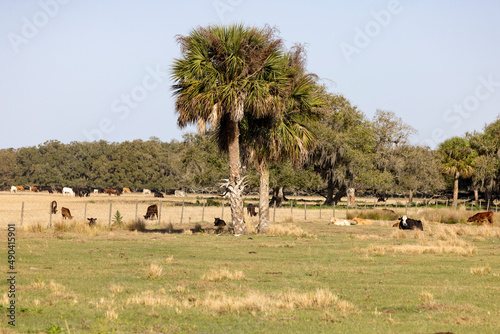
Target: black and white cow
{"points": [[406, 223]]}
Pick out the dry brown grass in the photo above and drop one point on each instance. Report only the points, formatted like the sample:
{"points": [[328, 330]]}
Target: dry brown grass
{"points": [[154, 272], [223, 275], [282, 230], [481, 271]]}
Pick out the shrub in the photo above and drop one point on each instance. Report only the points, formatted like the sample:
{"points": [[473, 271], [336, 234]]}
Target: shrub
{"points": [[137, 225]]}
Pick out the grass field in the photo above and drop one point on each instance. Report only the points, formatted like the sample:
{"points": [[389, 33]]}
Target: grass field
{"points": [[305, 276]]}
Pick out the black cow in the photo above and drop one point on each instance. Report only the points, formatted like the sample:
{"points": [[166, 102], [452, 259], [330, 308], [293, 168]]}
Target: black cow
{"points": [[158, 194], [151, 212], [251, 210], [170, 191], [92, 221], [219, 222], [406, 223]]}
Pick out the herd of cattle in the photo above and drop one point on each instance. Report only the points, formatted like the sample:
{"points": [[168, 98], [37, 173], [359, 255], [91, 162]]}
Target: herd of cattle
{"points": [[86, 191]]}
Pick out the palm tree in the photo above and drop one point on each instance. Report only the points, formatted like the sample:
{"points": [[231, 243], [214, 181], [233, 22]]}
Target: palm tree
{"points": [[283, 135], [457, 157], [224, 73]]}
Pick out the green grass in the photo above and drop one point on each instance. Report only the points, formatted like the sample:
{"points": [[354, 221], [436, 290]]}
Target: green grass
{"points": [[334, 279]]}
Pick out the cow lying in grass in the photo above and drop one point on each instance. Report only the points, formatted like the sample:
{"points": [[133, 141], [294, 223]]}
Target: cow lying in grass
{"points": [[92, 221], [219, 223], [480, 217], [361, 221], [406, 223]]}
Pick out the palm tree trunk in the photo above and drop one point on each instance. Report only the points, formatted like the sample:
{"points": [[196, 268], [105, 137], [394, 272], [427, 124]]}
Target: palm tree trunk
{"points": [[455, 191], [237, 185], [263, 198]]}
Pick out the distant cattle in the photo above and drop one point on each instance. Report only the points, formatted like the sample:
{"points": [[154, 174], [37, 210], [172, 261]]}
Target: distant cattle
{"points": [[251, 210], [46, 188], [66, 213], [179, 193], [480, 217], [96, 191], [340, 222], [146, 192], [170, 192], [53, 207], [152, 212], [92, 221], [58, 190], [406, 223], [34, 189], [20, 188], [381, 199], [126, 191], [158, 194], [111, 191], [361, 221], [68, 191], [13, 189]]}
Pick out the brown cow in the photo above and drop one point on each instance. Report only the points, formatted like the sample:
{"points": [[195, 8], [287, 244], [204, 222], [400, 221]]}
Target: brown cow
{"points": [[127, 190], [110, 191], [480, 217], [34, 189], [92, 221], [53, 207], [151, 212], [66, 213], [20, 188], [251, 210], [361, 221]]}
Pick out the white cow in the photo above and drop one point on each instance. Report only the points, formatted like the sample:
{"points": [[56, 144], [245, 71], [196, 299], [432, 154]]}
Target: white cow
{"points": [[13, 189], [179, 193], [146, 192], [339, 222], [69, 191]]}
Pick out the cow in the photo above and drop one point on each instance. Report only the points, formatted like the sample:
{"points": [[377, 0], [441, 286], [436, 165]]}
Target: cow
{"points": [[170, 192], [34, 189], [92, 221], [480, 217], [406, 223], [66, 213], [59, 190], [53, 207], [13, 189], [67, 190], [151, 212], [96, 191], [179, 193], [20, 188], [361, 221], [219, 222], [46, 188], [146, 192], [158, 194], [381, 199], [126, 190], [251, 210], [110, 191], [339, 222]]}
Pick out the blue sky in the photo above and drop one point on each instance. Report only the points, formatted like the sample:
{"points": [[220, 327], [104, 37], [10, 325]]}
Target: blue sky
{"points": [[86, 70]]}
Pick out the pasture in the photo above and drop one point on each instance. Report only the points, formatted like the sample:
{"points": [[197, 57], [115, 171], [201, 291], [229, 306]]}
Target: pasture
{"points": [[304, 276]]}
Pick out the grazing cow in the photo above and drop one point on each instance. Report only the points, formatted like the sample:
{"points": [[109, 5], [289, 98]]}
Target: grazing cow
{"points": [[46, 188], [34, 189], [53, 207], [66, 213], [20, 188], [381, 199], [389, 210], [158, 194], [361, 221], [406, 223], [340, 222], [110, 191], [92, 221], [251, 210], [13, 189], [67, 190], [480, 217], [151, 212], [96, 191], [126, 190], [58, 190], [179, 193], [146, 192], [170, 192]]}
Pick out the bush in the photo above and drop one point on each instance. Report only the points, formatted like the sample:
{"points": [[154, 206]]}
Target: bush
{"points": [[137, 225]]}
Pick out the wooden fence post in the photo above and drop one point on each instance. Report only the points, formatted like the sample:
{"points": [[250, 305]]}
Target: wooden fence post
{"points": [[22, 213], [274, 212], [159, 213], [85, 212], [136, 207], [203, 211], [222, 213], [110, 208], [320, 211], [50, 219], [182, 211], [305, 211]]}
